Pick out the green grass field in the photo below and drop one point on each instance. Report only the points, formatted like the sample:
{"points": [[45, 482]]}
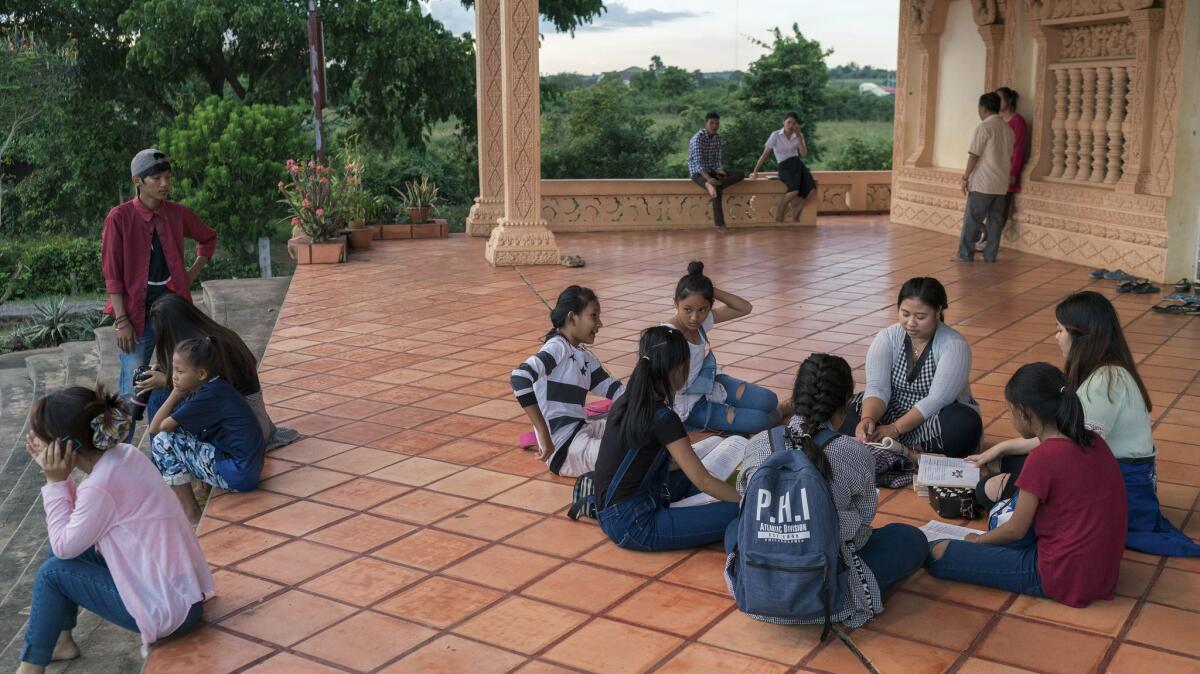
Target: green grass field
{"points": [[833, 135]]}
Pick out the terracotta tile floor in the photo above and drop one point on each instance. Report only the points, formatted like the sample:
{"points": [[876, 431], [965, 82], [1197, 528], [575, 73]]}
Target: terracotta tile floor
{"points": [[409, 533]]}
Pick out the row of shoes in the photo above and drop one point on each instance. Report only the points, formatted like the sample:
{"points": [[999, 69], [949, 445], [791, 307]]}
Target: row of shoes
{"points": [[1185, 301], [1128, 282]]}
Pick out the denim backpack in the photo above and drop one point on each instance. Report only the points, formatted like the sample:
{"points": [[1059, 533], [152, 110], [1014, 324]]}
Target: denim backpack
{"points": [[785, 566]]}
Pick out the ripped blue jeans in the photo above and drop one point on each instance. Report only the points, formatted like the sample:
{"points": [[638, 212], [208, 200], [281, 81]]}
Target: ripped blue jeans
{"points": [[756, 409]]}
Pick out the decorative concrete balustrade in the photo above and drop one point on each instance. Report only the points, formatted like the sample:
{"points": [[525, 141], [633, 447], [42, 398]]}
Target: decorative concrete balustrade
{"points": [[637, 205]]}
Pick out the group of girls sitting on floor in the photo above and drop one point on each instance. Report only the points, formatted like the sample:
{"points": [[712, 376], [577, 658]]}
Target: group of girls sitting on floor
{"points": [[1069, 495]]}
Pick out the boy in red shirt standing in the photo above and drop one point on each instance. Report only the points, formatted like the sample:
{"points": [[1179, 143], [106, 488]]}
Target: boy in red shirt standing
{"points": [[142, 256]]}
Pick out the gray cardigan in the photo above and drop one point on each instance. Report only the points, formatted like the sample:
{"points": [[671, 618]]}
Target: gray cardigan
{"points": [[951, 381]]}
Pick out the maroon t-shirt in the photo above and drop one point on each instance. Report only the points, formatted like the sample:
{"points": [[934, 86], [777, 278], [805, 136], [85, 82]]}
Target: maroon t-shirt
{"points": [[1080, 520]]}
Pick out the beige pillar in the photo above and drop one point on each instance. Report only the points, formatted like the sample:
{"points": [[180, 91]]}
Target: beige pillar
{"points": [[521, 236], [489, 94], [925, 21], [1147, 25], [993, 42]]}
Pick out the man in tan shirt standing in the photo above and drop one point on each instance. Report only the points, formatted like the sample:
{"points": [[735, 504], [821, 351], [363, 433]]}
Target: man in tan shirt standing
{"points": [[985, 181]]}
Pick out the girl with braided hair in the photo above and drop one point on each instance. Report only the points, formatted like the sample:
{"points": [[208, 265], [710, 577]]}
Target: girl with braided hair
{"points": [[877, 559], [119, 544]]}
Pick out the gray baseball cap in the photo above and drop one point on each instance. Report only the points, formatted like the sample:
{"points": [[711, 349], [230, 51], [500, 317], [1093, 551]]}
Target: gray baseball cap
{"points": [[148, 162]]}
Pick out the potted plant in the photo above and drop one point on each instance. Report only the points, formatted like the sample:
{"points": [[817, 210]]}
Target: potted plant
{"points": [[313, 201], [357, 204], [419, 198]]}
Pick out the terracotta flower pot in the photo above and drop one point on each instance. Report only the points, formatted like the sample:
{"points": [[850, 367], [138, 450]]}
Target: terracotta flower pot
{"points": [[307, 252], [419, 215], [360, 238]]}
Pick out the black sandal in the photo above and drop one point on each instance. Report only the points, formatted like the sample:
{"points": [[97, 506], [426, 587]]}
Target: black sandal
{"points": [[1177, 309], [1139, 286], [1183, 286]]}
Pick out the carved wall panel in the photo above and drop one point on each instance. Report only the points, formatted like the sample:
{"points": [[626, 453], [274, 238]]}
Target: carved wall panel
{"points": [[617, 205], [1103, 129]]}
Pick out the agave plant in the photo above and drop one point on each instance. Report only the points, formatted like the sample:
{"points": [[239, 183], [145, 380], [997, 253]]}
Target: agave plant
{"points": [[51, 325]]}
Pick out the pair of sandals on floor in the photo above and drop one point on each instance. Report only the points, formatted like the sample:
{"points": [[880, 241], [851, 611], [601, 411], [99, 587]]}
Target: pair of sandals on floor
{"points": [[1188, 303], [1129, 283]]}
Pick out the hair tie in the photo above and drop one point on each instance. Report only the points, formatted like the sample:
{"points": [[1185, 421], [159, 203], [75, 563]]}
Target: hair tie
{"points": [[106, 435], [805, 435], [1062, 389], [646, 358]]}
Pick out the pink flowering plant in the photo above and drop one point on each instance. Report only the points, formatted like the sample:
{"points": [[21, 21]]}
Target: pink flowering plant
{"points": [[313, 195]]}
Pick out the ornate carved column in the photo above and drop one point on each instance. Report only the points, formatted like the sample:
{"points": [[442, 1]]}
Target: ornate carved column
{"points": [[927, 19], [1058, 154], [1086, 116], [521, 236], [1147, 25], [988, 17], [1116, 125], [1100, 124], [489, 110], [1074, 102]]}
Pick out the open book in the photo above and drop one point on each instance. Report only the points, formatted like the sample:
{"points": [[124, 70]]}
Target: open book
{"points": [[940, 531], [935, 470], [721, 457]]}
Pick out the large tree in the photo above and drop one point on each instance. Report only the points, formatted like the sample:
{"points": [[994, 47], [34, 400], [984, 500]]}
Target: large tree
{"points": [[791, 76], [395, 70]]}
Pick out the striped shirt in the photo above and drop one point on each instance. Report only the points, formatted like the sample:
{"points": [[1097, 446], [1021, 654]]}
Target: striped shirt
{"points": [[557, 379]]}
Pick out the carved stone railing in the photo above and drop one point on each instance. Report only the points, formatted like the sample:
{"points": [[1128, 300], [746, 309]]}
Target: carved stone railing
{"points": [[623, 205]]}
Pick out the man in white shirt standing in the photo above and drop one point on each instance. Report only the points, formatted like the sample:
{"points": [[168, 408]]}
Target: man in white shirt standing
{"points": [[985, 180]]}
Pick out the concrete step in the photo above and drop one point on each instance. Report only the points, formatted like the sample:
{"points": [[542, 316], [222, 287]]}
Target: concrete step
{"points": [[22, 520], [109, 364], [82, 360], [16, 397], [249, 307]]}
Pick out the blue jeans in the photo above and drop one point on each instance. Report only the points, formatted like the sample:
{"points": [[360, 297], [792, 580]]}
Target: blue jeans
{"points": [[756, 409], [143, 350], [1011, 567], [894, 552], [62, 586], [640, 522]]}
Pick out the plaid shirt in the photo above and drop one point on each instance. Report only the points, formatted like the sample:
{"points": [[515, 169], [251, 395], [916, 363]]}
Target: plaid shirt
{"points": [[704, 152]]}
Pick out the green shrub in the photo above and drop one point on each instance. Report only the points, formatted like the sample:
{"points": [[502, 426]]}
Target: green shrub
{"points": [[59, 266], [226, 158], [863, 155]]}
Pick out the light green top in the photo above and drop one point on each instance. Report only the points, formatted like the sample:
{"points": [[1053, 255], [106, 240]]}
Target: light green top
{"points": [[1117, 412]]}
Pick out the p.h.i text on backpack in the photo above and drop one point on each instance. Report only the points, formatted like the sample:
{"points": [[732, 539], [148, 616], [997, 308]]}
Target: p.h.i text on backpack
{"points": [[785, 562]]}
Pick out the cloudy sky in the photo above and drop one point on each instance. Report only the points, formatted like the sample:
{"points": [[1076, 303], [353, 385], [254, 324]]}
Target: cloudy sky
{"points": [[709, 35]]}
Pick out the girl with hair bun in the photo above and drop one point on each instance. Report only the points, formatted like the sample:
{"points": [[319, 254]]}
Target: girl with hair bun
{"points": [[710, 399], [205, 429], [552, 385], [119, 544], [876, 558], [1066, 535], [635, 483]]}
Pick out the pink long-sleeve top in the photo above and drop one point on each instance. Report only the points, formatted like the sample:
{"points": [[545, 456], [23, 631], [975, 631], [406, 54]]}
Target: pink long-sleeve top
{"points": [[1020, 150], [129, 514]]}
